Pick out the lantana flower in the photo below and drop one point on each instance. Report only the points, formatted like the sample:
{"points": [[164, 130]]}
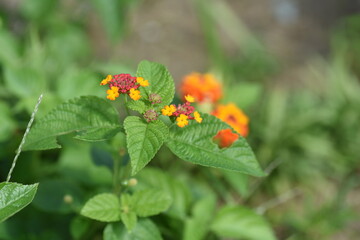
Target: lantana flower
{"points": [[183, 112], [236, 118], [124, 84], [203, 87]]}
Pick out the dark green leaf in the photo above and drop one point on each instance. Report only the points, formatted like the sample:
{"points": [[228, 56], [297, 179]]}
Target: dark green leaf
{"points": [[194, 143], [92, 118], [14, 197], [143, 140]]}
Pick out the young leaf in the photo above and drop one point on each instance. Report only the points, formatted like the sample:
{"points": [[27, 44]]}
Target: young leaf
{"points": [[92, 118], [241, 222], [14, 197], [193, 143], [145, 229], [104, 207], [150, 202], [128, 216], [161, 82], [143, 140]]}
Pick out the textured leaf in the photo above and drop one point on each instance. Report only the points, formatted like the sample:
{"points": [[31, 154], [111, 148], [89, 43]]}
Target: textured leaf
{"points": [[143, 140], [194, 143], [14, 197], [92, 118], [241, 222], [104, 207], [161, 82], [138, 106], [145, 229], [150, 202]]}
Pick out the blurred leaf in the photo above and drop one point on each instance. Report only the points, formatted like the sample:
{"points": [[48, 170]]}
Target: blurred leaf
{"points": [[145, 229], [24, 81], [238, 181], [150, 202], [241, 222], [243, 94], [14, 197], [161, 81], [193, 143], [197, 226], [92, 118], [143, 140], [79, 226], [7, 123], [157, 179], [58, 196], [74, 83], [103, 207], [38, 9], [9, 49]]}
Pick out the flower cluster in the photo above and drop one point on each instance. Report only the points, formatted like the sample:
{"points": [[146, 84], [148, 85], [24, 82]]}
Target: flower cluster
{"points": [[183, 112], [125, 84], [204, 87], [207, 91]]}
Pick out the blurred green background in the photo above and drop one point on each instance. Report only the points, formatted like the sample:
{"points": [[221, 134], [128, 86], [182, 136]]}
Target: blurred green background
{"points": [[293, 66]]}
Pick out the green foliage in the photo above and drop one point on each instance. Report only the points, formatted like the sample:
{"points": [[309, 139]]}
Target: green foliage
{"points": [[241, 222], [144, 230], [92, 118], [161, 81], [150, 202], [103, 207], [143, 140], [14, 197], [194, 144]]}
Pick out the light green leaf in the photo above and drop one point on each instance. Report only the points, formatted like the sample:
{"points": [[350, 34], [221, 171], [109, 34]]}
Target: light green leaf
{"points": [[138, 106], [145, 229], [14, 197], [143, 140], [161, 82], [104, 207], [194, 143], [150, 202], [129, 219], [241, 222], [92, 118], [7, 122]]}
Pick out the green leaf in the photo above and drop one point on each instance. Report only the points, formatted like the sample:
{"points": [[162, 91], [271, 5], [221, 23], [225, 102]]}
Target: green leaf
{"points": [[129, 219], [143, 140], [103, 207], [161, 82], [7, 122], [138, 106], [241, 222], [194, 143], [92, 118], [14, 197], [145, 229], [150, 202]]}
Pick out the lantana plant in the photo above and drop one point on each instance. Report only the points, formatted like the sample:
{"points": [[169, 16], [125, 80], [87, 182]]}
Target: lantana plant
{"points": [[149, 120]]}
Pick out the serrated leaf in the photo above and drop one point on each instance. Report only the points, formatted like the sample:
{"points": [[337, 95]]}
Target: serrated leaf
{"points": [[194, 143], [150, 202], [241, 222], [145, 229], [92, 118], [143, 140], [104, 207], [14, 197], [138, 106], [161, 82]]}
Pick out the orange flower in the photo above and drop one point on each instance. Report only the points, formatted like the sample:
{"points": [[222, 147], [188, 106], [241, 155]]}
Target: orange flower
{"points": [[203, 87], [225, 138], [233, 116]]}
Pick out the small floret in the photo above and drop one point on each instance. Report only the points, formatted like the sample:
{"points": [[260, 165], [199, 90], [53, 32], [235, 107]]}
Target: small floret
{"points": [[106, 80], [182, 120], [142, 82], [134, 94], [197, 117], [168, 110], [189, 98], [113, 93]]}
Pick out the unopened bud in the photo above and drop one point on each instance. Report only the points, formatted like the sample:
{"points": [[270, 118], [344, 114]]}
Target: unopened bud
{"points": [[68, 199], [155, 98], [132, 182], [150, 115]]}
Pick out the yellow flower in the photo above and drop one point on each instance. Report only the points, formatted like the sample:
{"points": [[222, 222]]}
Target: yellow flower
{"points": [[134, 94], [112, 93], [197, 117], [189, 98], [182, 120], [106, 80], [142, 82], [168, 110]]}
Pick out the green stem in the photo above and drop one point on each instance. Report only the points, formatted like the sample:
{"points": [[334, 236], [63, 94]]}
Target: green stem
{"points": [[116, 175], [126, 108]]}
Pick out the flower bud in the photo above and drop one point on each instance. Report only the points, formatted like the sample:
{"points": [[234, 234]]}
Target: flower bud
{"points": [[150, 115], [155, 98]]}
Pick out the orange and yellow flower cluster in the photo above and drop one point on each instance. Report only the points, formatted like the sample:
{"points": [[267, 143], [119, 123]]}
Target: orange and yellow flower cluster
{"points": [[125, 84], [207, 89], [183, 112]]}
